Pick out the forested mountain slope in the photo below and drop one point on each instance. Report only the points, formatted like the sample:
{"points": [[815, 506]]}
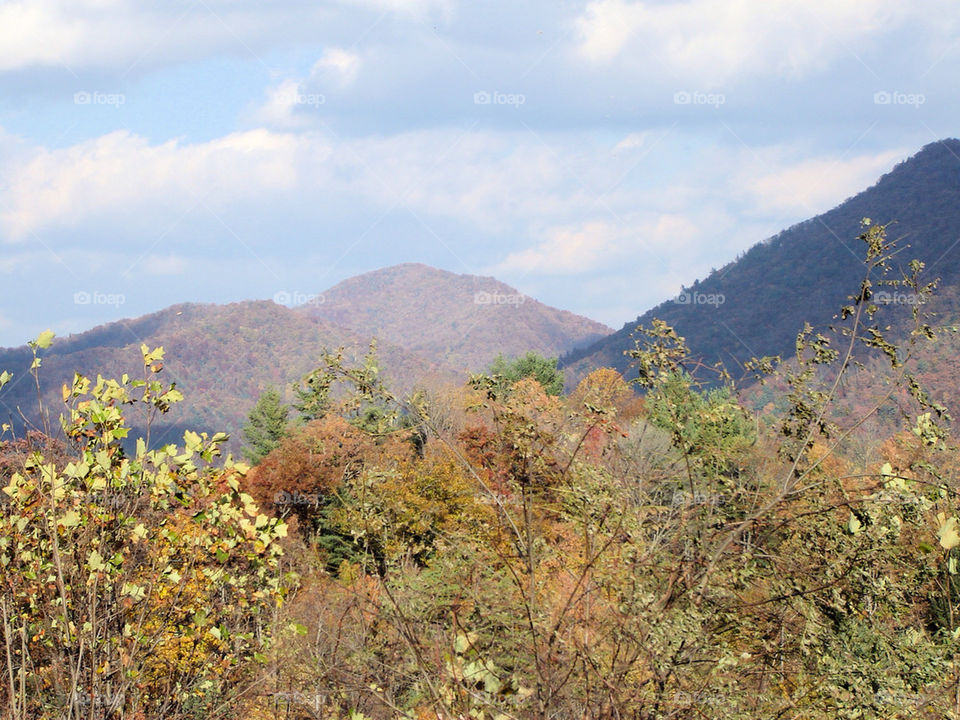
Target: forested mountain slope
{"points": [[755, 305]]}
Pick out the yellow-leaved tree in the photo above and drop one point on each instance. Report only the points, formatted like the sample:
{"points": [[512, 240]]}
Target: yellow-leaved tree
{"points": [[134, 583]]}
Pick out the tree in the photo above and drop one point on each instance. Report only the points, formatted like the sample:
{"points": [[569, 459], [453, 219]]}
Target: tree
{"points": [[313, 395], [133, 584], [532, 365], [266, 426]]}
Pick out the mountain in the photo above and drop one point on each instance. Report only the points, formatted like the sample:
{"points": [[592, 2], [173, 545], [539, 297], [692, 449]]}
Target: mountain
{"points": [[220, 356], [465, 320], [431, 326], [755, 305]]}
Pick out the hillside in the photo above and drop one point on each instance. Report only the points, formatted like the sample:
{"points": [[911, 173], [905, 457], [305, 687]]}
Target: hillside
{"points": [[804, 274], [431, 326], [221, 357], [465, 320]]}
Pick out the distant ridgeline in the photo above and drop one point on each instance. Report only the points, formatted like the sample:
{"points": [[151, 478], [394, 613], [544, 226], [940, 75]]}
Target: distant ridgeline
{"points": [[432, 327], [755, 305]]}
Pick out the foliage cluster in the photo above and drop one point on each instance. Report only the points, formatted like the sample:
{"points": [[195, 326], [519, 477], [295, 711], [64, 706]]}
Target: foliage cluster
{"points": [[503, 551]]}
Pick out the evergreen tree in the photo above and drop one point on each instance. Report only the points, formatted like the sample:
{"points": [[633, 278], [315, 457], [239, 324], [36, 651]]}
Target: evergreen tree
{"points": [[313, 395], [266, 425], [532, 365]]}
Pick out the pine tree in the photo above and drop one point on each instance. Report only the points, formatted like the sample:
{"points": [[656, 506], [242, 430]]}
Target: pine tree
{"points": [[532, 365], [313, 395], [266, 425]]}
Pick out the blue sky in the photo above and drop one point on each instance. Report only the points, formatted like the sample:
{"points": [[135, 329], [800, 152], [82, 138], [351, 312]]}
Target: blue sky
{"points": [[596, 154]]}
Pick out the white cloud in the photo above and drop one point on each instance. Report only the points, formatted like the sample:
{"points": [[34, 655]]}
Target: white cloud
{"points": [[584, 247], [289, 106], [161, 265], [633, 141], [342, 64], [555, 197], [122, 174], [574, 204], [297, 103], [412, 7], [814, 186], [718, 41], [566, 250], [123, 34]]}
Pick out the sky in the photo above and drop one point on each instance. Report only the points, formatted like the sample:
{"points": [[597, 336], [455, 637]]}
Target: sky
{"points": [[598, 155]]}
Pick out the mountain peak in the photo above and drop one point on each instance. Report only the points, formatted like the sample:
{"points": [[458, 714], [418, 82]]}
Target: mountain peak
{"points": [[413, 272], [467, 319]]}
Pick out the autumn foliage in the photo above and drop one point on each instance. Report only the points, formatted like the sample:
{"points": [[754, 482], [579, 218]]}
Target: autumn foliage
{"points": [[498, 550]]}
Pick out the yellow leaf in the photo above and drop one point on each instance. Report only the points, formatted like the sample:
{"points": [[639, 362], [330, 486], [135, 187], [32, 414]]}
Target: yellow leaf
{"points": [[948, 532], [95, 561], [853, 524], [44, 339]]}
